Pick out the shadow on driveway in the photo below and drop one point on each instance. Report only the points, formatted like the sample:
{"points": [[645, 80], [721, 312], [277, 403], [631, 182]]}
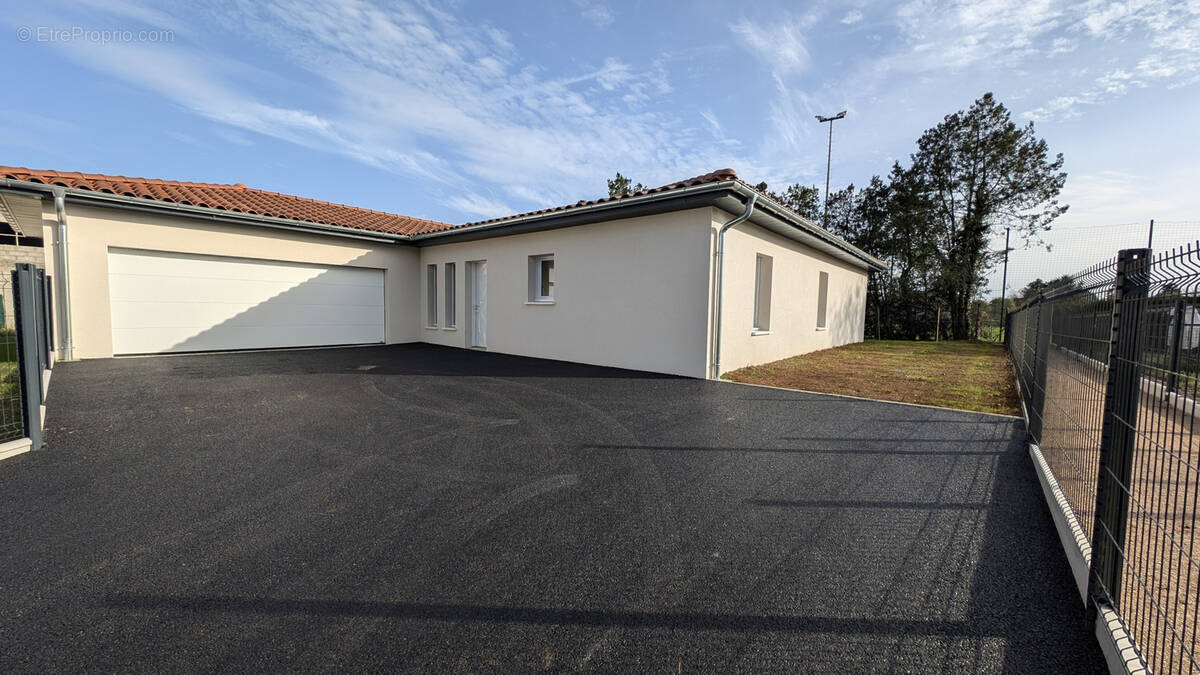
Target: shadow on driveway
{"points": [[415, 507]]}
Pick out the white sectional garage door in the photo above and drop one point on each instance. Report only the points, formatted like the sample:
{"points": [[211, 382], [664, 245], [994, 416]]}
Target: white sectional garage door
{"points": [[173, 302]]}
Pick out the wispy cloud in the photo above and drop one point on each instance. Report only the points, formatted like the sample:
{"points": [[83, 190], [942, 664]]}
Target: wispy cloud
{"points": [[957, 35], [414, 90], [477, 205], [417, 90], [961, 33], [598, 14], [781, 44]]}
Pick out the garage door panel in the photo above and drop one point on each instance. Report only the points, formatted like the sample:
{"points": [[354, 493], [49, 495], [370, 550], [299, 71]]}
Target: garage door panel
{"points": [[125, 288], [163, 302], [148, 341], [205, 315], [164, 264]]}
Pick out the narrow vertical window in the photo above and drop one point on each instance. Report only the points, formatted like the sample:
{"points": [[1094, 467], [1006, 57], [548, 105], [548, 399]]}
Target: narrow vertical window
{"points": [[541, 278], [431, 295], [762, 293], [451, 308], [822, 298]]}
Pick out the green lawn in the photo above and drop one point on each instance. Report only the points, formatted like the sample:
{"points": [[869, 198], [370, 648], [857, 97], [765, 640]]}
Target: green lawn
{"points": [[965, 375]]}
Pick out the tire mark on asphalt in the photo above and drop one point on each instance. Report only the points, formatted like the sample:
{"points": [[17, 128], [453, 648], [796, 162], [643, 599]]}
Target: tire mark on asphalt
{"points": [[477, 519]]}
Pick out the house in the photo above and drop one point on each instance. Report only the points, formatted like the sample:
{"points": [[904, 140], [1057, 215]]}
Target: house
{"points": [[694, 278]]}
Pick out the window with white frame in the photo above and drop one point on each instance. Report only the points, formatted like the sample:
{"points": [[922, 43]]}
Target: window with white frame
{"points": [[762, 292], [541, 278], [431, 296], [451, 308], [822, 298]]}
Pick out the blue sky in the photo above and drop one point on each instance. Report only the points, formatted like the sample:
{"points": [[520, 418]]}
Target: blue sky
{"points": [[464, 110]]}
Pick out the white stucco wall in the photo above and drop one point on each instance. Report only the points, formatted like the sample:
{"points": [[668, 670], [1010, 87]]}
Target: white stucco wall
{"points": [[633, 293], [629, 293], [793, 328], [93, 230]]}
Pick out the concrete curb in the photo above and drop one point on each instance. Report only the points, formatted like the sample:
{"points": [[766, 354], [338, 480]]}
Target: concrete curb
{"points": [[14, 448], [1119, 648], [1074, 541]]}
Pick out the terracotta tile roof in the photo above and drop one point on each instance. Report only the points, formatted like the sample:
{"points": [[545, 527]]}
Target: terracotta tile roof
{"points": [[238, 198], [718, 176], [234, 198]]}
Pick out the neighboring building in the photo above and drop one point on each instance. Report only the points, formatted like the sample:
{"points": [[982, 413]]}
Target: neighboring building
{"points": [[161, 266]]}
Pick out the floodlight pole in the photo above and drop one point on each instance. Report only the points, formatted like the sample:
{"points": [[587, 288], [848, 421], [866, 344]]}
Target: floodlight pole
{"points": [[829, 157]]}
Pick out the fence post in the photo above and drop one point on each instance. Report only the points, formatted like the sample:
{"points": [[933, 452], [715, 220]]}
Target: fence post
{"points": [[1041, 363], [1176, 344], [1118, 433], [28, 363]]}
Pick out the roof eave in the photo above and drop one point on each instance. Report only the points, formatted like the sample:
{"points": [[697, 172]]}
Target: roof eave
{"points": [[816, 232], [627, 207], [696, 196]]}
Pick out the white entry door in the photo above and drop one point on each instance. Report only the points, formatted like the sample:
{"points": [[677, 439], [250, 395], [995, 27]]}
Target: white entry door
{"points": [[176, 302], [479, 304]]}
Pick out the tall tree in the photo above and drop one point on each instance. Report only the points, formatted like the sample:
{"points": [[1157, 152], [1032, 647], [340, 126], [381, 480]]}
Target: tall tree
{"points": [[1037, 286], [621, 186], [913, 253], [983, 172], [803, 199]]}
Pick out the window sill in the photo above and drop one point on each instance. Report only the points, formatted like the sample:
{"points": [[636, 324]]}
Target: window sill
{"points": [[822, 329], [760, 332], [539, 302], [431, 327], [450, 328]]}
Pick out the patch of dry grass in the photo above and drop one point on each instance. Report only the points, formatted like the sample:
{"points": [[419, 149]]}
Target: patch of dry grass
{"points": [[965, 375]]}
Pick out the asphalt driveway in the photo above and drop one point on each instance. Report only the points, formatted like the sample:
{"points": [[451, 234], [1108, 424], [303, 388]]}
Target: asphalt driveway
{"points": [[415, 507]]}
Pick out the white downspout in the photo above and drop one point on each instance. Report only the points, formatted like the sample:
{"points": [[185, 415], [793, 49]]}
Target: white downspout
{"points": [[720, 283], [62, 272]]}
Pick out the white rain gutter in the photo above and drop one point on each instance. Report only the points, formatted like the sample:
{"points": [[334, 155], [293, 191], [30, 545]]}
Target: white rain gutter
{"points": [[62, 273], [715, 371]]}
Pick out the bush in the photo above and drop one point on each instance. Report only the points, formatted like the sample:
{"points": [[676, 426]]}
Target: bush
{"points": [[8, 344]]}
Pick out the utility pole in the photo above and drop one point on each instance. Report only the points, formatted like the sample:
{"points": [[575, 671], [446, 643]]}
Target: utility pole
{"points": [[1150, 243], [829, 157], [1004, 288]]}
